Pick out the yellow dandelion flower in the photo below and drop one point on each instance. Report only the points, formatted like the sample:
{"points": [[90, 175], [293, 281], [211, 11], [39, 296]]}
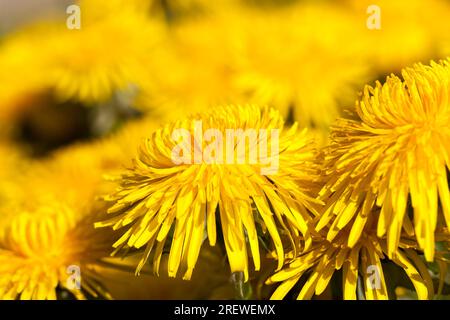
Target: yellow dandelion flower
{"points": [[47, 237], [162, 201], [21, 67], [12, 164], [88, 64], [37, 250], [193, 70], [410, 31], [395, 156], [363, 260], [46, 230], [298, 62], [104, 55]]}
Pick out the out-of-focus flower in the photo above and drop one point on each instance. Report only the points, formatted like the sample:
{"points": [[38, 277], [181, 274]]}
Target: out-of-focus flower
{"points": [[87, 65], [47, 235], [12, 163], [37, 248], [21, 71], [102, 57], [395, 156], [240, 54], [300, 58], [193, 71], [411, 31], [45, 230], [160, 202]]}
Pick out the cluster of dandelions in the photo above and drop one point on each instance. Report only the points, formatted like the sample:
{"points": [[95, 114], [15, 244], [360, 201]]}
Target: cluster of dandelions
{"points": [[362, 212], [378, 193]]}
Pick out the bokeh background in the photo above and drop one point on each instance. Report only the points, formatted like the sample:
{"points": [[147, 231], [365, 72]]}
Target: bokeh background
{"points": [[160, 60]]}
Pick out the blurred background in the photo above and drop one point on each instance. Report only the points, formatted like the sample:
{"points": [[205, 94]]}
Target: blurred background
{"points": [[309, 59], [160, 60]]}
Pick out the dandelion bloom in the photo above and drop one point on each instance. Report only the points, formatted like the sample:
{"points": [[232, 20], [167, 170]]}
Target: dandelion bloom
{"points": [[47, 234], [88, 64], [161, 201], [173, 79], [409, 31], [37, 250], [277, 66], [103, 56], [21, 71], [395, 156]]}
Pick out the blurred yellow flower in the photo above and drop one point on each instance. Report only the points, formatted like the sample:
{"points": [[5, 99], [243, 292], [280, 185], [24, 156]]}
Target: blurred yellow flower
{"points": [[410, 32], [88, 64], [193, 71], [300, 58], [47, 234], [373, 202], [21, 70], [37, 248], [12, 163], [102, 57], [46, 229]]}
